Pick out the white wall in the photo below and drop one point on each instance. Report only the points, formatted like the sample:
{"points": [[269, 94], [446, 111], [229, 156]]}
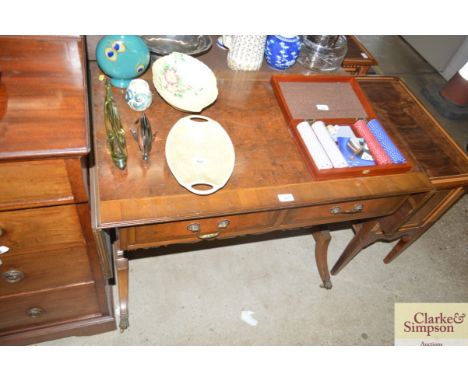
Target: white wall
{"points": [[447, 54], [458, 60]]}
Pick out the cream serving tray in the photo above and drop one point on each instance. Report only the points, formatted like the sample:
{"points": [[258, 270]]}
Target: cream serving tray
{"points": [[199, 152]]}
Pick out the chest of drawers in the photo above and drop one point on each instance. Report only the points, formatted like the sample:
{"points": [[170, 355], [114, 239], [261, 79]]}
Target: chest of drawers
{"points": [[51, 282]]}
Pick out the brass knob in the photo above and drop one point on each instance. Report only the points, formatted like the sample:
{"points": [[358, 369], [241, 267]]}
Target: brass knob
{"points": [[13, 276], [35, 312]]}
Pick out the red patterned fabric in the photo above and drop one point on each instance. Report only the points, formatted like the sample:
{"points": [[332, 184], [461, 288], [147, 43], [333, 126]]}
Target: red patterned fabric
{"points": [[377, 151]]}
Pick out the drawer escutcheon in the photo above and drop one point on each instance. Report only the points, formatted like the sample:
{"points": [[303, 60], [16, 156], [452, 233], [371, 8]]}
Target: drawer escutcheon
{"points": [[356, 209]]}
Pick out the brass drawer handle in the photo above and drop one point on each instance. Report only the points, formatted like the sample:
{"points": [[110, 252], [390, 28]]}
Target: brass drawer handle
{"points": [[356, 209], [208, 236], [35, 312], [195, 227], [1, 231], [13, 276]]}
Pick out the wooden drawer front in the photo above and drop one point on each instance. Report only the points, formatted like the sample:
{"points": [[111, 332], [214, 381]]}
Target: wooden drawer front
{"points": [[40, 229], [330, 213], [48, 307], [166, 233], [43, 270], [40, 182]]}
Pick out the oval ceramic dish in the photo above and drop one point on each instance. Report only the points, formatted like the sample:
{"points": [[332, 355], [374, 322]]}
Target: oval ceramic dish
{"points": [[185, 82], [200, 152]]}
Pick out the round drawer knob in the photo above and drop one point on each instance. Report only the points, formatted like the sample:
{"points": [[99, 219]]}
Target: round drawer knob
{"points": [[13, 276], [35, 312]]}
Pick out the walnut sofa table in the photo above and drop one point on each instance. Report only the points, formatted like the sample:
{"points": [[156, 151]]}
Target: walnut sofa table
{"points": [[144, 206]]}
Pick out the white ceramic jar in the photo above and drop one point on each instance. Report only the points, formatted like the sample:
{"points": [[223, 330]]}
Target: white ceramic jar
{"points": [[138, 95], [245, 51]]}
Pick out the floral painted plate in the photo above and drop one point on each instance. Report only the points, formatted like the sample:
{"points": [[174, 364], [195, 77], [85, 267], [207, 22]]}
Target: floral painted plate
{"points": [[185, 82]]}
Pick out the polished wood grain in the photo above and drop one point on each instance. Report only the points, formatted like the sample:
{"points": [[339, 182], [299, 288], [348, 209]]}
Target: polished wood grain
{"points": [[103, 292], [51, 282], [63, 267], [169, 233], [45, 100], [417, 130], [268, 163], [56, 306], [45, 182], [67, 328], [318, 215], [39, 229], [156, 235]]}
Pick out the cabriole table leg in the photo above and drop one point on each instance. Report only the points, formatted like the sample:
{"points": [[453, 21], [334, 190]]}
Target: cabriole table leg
{"points": [[322, 240]]}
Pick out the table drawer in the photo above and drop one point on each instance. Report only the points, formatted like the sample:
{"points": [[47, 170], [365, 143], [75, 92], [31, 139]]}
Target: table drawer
{"points": [[195, 230], [48, 307], [40, 229], [43, 270], [338, 212], [40, 182]]}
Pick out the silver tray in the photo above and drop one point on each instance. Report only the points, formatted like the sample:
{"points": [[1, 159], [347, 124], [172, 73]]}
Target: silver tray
{"points": [[188, 44]]}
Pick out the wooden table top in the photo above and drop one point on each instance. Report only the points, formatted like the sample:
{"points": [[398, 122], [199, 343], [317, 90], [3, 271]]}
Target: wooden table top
{"points": [[43, 98], [268, 162]]}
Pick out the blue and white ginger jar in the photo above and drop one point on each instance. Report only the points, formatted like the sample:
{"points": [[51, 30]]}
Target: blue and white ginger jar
{"points": [[281, 51]]}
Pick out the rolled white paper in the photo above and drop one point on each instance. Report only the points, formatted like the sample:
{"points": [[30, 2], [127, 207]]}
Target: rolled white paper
{"points": [[329, 145], [314, 147]]}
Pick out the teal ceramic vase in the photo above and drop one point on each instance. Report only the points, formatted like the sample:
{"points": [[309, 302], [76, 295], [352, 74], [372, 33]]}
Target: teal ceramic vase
{"points": [[122, 58]]}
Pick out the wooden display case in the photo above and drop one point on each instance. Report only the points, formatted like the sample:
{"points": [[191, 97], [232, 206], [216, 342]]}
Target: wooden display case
{"points": [[337, 100]]}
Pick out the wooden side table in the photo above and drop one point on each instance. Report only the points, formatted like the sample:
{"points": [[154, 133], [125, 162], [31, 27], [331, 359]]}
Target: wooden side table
{"points": [[145, 207]]}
